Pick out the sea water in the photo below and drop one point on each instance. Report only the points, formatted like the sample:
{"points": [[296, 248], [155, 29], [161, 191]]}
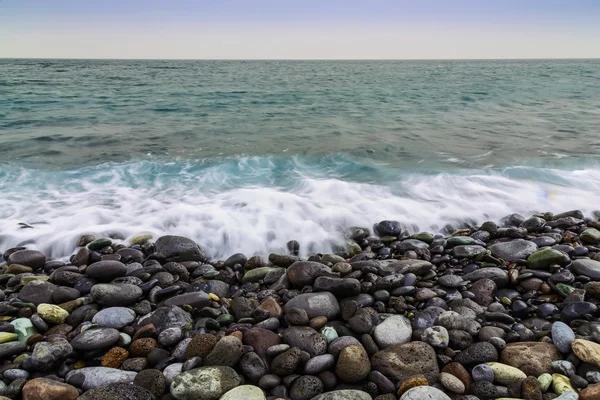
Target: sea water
{"points": [[243, 156]]}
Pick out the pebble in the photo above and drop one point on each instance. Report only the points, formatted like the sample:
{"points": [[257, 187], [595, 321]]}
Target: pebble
{"points": [[92, 377], [208, 383]]}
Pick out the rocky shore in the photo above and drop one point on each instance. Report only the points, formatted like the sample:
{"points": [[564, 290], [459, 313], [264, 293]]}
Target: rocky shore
{"points": [[497, 311]]}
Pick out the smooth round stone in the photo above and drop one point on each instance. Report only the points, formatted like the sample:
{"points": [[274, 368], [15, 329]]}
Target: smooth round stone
{"points": [[545, 381], [544, 241], [106, 271], [562, 336], [587, 267], [95, 339], [395, 329], [14, 374], [244, 392], [505, 374], [52, 313], [424, 392], [114, 317], [452, 383], [482, 372]]}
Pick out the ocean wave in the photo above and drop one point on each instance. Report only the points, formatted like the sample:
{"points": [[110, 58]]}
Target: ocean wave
{"points": [[254, 205]]}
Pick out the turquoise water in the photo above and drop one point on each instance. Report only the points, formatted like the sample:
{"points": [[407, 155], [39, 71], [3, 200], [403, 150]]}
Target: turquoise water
{"points": [[245, 155]]}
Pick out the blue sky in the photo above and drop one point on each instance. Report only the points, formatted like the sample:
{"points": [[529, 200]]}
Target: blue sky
{"points": [[234, 29]]}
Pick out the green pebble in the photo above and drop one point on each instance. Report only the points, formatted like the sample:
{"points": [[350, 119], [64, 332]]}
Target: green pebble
{"points": [[99, 244], [6, 337], [590, 236], [545, 381], [225, 319], [423, 237], [51, 313], [460, 240], [23, 328]]}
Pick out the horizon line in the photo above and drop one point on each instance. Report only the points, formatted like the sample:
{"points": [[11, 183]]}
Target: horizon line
{"points": [[299, 59]]}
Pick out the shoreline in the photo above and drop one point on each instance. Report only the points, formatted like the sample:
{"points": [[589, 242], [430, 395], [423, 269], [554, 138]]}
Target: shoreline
{"points": [[391, 316]]}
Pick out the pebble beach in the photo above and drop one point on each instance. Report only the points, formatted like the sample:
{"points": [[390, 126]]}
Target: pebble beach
{"points": [[505, 310]]}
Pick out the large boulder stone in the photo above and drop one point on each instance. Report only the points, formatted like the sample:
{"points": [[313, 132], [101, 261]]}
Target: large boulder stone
{"points": [[533, 358], [402, 361]]}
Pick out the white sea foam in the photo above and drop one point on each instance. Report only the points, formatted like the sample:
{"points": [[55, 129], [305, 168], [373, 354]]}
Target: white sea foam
{"points": [[255, 207]]}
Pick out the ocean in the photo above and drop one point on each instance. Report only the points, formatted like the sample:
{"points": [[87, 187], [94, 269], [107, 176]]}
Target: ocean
{"points": [[243, 156]]}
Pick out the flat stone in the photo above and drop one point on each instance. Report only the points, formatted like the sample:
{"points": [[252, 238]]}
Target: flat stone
{"points": [[92, 377], [518, 249], [402, 361], [533, 358], [197, 300], [118, 391], [111, 295], [95, 339], [48, 389]]}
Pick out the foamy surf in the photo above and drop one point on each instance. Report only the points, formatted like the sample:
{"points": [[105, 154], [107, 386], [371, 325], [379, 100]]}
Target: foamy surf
{"points": [[256, 205]]}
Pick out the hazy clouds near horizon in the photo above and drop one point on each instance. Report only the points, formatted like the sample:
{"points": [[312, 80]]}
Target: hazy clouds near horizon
{"points": [[307, 29]]}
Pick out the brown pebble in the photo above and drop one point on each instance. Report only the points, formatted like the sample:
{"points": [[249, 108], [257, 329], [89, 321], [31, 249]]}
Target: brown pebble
{"points": [[459, 371], [317, 322], [114, 357], [237, 334], [201, 345], [16, 269], [142, 347], [35, 338], [148, 330], [545, 288], [592, 392], [411, 383], [48, 389]]}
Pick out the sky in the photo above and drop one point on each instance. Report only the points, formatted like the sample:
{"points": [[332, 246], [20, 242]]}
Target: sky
{"points": [[304, 29]]}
